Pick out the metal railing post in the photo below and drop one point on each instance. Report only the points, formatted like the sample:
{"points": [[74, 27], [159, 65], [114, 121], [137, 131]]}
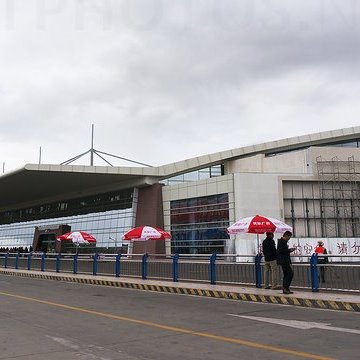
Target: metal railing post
{"points": [[117, 265], [29, 261], [95, 258], [144, 266], [213, 269], [6, 260], [258, 275], [42, 265], [75, 264], [57, 262], [17, 261], [314, 273], [175, 267]]}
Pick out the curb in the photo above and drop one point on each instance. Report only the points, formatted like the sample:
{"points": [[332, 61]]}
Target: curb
{"points": [[272, 299]]}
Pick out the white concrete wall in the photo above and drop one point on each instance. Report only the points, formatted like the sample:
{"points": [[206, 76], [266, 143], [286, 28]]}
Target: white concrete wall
{"points": [[294, 162], [255, 194], [328, 153]]}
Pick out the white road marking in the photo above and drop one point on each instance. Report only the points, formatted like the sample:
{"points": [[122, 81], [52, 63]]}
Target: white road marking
{"points": [[303, 325], [80, 352], [64, 342]]}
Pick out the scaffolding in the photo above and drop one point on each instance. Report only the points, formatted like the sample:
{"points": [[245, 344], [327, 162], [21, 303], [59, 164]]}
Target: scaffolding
{"points": [[339, 196]]}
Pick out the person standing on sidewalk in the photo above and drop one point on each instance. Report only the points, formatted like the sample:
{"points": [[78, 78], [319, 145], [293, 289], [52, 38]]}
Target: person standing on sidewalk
{"points": [[321, 250], [284, 260], [271, 268]]}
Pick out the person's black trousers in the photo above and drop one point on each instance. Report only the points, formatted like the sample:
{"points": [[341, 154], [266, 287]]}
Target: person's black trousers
{"points": [[288, 275], [321, 268]]}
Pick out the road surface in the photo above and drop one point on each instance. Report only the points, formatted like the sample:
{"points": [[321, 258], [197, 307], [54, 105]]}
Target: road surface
{"points": [[44, 319]]}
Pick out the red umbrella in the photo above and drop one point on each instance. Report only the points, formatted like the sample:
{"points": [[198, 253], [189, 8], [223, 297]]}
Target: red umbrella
{"points": [[77, 237], [143, 233], [258, 225]]}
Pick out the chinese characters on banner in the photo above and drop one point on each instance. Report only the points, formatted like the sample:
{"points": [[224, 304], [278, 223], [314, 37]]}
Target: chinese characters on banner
{"points": [[356, 248], [346, 249], [334, 246]]}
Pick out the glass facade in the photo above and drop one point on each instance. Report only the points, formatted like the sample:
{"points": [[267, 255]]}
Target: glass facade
{"points": [[84, 205], [349, 143], [198, 225], [107, 227], [105, 216], [206, 173]]}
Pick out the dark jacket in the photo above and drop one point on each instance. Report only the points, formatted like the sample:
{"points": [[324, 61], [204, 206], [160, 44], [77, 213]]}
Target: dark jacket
{"points": [[269, 249], [283, 252]]}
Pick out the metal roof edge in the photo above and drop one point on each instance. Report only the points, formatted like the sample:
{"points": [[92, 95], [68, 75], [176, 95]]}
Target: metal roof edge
{"points": [[199, 162], [292, 143], [13, 172], [116, 170]]}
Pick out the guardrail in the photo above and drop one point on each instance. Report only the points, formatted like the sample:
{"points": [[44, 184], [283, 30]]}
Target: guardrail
{"points": [[215, 268]]}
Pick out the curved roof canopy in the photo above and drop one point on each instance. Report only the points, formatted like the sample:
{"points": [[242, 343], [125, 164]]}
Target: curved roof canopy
{"points": [[37, 184]]}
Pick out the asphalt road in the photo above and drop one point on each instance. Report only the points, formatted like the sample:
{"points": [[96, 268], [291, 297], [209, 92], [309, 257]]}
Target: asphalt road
{"points": [[43, 319]]}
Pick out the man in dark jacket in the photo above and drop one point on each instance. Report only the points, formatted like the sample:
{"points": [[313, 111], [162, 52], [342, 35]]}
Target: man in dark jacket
{"points": [[284, 260], [270, 267]]}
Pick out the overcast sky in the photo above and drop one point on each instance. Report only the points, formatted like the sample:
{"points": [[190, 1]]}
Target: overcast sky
{"points": [[167, 80]]}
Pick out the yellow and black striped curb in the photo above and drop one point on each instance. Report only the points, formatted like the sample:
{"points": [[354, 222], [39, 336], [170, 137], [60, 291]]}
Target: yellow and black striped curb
{"points": [[272, 299]]}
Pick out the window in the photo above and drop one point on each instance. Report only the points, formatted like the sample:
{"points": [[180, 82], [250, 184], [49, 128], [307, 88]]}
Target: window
{"points": [[206, 173], [198, 225]]}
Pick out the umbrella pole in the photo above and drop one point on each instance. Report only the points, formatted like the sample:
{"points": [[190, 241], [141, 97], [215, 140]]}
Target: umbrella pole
{"points": [[258, 244]]}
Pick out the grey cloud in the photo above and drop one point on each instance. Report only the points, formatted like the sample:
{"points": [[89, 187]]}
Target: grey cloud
{"points": [[202, 76]]}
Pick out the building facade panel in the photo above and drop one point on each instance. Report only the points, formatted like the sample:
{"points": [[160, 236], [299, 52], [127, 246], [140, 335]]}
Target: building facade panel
{"points": [[198, 223], [333, 214]]}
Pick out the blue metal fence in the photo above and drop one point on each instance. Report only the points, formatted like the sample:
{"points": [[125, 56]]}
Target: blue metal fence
{"points": [[215, 268]]}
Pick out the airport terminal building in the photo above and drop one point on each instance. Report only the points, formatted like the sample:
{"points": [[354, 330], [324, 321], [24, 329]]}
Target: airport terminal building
{"points": [[311, 182]]}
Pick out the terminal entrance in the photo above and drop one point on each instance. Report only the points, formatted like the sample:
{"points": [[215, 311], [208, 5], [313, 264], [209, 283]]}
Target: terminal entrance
{"points": [[46, 243], [45, 237]]}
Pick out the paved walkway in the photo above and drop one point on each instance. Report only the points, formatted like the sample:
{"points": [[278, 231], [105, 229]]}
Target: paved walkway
{"points": [[325, 300]]}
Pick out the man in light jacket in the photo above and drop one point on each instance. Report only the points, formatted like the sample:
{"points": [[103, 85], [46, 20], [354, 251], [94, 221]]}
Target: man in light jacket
{"points": [[271, 268]]}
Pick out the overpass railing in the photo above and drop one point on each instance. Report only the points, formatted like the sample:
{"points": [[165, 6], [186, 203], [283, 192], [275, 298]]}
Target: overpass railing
{"points": [[215, 268]]}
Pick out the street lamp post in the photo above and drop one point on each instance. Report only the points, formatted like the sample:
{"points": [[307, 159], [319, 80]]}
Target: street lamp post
{"points": [[115, 241]]}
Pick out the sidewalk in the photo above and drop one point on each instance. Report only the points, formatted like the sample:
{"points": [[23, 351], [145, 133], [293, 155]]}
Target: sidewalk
{"points": [[326, 300]]}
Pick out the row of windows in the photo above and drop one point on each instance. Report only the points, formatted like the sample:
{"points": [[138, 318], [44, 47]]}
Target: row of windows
{"points": [[200, 234], [347, 143], [204, 225], [313, 216], [198, 247], [198, 225], [200, 217], [90, 204], [220, 200], [206, 173]]}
